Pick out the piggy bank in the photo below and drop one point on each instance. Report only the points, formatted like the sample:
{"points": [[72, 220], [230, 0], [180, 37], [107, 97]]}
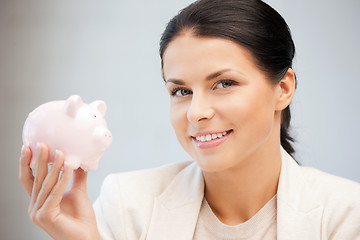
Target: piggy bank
{"points": [[76, 128]]}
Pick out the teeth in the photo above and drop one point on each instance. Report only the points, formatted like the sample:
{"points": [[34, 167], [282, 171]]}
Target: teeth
{"points": [[210, 137]]}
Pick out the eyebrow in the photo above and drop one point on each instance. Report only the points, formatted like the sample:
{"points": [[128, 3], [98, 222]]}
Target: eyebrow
{"points": [[208, 77]]}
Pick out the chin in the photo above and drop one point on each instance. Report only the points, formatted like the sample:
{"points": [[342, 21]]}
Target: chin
{"points": [[212, 164]]}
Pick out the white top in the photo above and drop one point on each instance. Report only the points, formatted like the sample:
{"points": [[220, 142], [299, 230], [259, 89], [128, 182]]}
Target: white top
{"points": [[164, 203], [261, 226]]}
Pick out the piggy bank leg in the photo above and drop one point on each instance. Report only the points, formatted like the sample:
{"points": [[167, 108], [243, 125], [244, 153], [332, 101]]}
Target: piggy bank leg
{"points": [[89, 167], [73, 162]]}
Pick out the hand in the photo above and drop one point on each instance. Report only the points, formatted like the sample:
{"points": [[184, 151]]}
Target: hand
{"points": [[62, 215]]}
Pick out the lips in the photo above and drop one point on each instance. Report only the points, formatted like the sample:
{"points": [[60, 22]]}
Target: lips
{"points": [[210, 136], [210, 139]]}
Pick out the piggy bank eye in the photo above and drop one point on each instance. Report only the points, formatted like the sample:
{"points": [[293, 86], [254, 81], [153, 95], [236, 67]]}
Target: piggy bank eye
{"points": [[94, 115]]}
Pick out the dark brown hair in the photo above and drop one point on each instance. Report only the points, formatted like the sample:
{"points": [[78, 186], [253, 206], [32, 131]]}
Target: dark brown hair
{"points": [[251, 23]]}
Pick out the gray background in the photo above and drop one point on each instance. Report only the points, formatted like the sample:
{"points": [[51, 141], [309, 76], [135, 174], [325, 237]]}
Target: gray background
{"points": [[108, 50]]}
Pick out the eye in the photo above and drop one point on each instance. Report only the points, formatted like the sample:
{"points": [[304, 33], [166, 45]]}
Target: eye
{"points": [[225, 84], [180, 92], [94, 115]]}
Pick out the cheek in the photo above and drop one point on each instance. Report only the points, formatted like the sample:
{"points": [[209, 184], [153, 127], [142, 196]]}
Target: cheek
{"points": [[253, 113], [260, 117], [178, 117]]}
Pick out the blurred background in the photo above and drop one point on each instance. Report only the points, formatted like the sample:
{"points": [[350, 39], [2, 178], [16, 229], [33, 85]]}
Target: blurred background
{"points": [[108, 50]]}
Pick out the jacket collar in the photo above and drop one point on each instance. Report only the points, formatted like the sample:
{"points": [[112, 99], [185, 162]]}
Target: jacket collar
{"points": [[299, 215], [176, 210]]}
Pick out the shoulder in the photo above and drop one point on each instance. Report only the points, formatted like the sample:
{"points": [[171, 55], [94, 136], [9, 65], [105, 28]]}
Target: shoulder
{"points": [[340, 199], [328, 187], [149, 181], [125, 204]]}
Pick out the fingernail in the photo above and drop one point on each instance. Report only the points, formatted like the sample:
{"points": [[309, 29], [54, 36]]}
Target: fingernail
{"points": [[66, 166], [38, 149], [38, 146], [57, 154]]}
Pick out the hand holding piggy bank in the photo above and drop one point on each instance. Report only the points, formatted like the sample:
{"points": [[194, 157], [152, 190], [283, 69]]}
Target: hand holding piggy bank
{"points": [[79, 130]]}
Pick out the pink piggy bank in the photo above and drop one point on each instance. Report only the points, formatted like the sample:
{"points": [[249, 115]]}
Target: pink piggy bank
{"points": [[76, 128]]}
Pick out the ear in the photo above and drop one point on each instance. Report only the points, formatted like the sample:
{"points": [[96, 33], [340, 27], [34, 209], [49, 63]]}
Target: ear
{"points": [[286, 88], [100, 106], [72, 105]]}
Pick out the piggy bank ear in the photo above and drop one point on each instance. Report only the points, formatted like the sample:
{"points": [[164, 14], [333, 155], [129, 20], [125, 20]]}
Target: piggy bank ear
{"points": [[72, 105], [100, 106]]}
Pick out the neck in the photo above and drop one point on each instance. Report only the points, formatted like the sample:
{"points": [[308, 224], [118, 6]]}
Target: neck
{"points": [[238, 193]]}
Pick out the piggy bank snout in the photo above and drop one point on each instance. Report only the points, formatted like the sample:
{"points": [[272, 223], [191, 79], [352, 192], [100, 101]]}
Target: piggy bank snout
{"points": [[107, 137], [103, 136]]}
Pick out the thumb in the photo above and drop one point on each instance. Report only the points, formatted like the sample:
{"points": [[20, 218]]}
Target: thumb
{"points": [[79, 179]]}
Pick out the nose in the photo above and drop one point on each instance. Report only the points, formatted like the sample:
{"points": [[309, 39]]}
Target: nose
{"points": [[108, 137], [200, 109], [102, 137]]}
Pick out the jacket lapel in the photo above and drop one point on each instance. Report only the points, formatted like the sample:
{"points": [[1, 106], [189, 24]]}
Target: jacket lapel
{"points": [[299, 216], [176, 210]]}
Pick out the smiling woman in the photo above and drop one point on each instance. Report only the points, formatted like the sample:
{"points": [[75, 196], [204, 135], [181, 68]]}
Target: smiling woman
{"points": [[224, 92], [227, 66]]}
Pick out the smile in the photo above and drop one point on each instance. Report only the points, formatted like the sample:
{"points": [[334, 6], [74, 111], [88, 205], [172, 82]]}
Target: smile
{"points": [[212, 136], [211, 140]]}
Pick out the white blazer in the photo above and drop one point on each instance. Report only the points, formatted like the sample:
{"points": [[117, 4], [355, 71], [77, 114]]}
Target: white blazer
{"points": [[164, 203]]}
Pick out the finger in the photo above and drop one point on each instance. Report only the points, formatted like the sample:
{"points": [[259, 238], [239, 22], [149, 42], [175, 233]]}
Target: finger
{"points": [[79, 179], [50, 180], [25, 173], [58, 191], [41, 170]]}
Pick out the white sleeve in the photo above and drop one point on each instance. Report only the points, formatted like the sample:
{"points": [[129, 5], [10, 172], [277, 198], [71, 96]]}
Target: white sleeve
{"points": [[108, 211]]}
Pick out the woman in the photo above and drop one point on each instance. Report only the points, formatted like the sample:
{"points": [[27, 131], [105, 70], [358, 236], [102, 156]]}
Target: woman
{"points": [[227, 67]]}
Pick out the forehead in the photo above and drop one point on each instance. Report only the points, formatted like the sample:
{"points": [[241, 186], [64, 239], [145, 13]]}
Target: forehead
{"points": [[188, 55]]}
